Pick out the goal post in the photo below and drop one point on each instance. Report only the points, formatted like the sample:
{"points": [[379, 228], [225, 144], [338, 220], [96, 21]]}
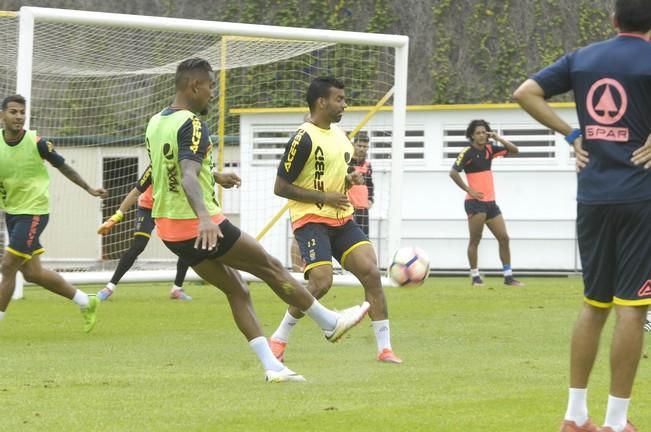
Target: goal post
{"points": [[93, 79]]}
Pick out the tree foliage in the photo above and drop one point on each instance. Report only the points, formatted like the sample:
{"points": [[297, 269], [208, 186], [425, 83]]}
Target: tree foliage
{"points": [[461, 51]]}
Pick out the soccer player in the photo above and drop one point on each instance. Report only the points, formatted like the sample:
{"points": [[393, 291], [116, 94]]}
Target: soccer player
{"points": [[142, 193], [190, 222], [361, 196], [611, 82], [24, 196], [476, 160], [313, 176]]}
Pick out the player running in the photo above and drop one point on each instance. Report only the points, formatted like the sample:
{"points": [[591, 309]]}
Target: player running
{"points": [[24, 196]]}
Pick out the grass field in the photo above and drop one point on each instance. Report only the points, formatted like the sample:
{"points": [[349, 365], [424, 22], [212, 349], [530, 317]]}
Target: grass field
{"points": [[476, 359]]}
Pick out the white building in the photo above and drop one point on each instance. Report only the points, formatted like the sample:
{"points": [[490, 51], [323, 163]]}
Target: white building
{"points": [[536, 191]]}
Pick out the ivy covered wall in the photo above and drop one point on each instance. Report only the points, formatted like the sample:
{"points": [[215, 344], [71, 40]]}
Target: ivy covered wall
{"points": [[484, 49], [461, 51]]}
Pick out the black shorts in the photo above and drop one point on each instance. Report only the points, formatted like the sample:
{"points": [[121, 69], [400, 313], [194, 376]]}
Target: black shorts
{"points": [[144, 222], [615, 247], [489, 207], [319, 243], [192, 256], [361, 218], [24, 234]]}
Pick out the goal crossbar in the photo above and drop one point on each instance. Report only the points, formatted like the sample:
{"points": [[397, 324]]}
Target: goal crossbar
{"points": [[69, 16]]}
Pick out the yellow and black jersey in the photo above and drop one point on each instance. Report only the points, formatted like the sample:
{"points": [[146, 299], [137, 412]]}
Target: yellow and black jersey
{"points": [[317, 159]]}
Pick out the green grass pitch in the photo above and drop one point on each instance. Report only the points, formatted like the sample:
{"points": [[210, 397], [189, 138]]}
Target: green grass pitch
{"points": [[476, 359]]}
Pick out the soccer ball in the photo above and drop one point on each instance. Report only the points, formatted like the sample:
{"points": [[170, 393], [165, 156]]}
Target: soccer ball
{"points": [[409, 266]]}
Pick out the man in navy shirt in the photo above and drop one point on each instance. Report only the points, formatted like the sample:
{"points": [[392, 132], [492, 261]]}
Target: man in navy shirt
{"points": [[611, 81]]}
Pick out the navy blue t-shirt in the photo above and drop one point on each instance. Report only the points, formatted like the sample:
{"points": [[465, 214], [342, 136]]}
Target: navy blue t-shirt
{"points": [[611, 81]]}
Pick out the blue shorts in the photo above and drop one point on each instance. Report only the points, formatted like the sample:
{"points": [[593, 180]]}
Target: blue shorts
{"points": [[615, 247], [24, 234], [474, 206], [144, 222], [319, 243]]}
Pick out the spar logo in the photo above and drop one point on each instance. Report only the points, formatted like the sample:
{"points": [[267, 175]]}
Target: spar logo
{"points": [[645, 290], [607, 103]]}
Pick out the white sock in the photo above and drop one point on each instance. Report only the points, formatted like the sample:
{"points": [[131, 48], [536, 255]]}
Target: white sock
{"points": [[261, 348], [111, 286], [382, 334], [174, 287], [81, 298], [474, 272], [324, 317], [648, 315], [617, 413], [2, 315], [286, 326], [577, 406]]}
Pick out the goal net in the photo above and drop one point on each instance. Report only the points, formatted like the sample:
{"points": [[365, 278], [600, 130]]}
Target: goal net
{"points": [[93, 80]]}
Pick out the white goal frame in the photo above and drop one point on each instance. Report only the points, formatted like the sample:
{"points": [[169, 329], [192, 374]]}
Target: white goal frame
{"points": [[29, 16]]}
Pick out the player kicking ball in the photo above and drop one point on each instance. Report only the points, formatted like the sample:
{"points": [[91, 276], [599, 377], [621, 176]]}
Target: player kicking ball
{"points": [[190, 221]]}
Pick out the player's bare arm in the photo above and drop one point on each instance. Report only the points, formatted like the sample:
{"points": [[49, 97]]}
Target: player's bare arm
{"points": [[288, 190], [456, 178], [74, 177], [129, 200], [209, 232], [125, 205], [227, 180], [531, 98], [508, 145]]}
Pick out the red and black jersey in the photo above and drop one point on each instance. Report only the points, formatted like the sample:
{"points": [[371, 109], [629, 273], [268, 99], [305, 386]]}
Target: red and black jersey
{"points": [[145, 200], [361, 195], [477, 166]]}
